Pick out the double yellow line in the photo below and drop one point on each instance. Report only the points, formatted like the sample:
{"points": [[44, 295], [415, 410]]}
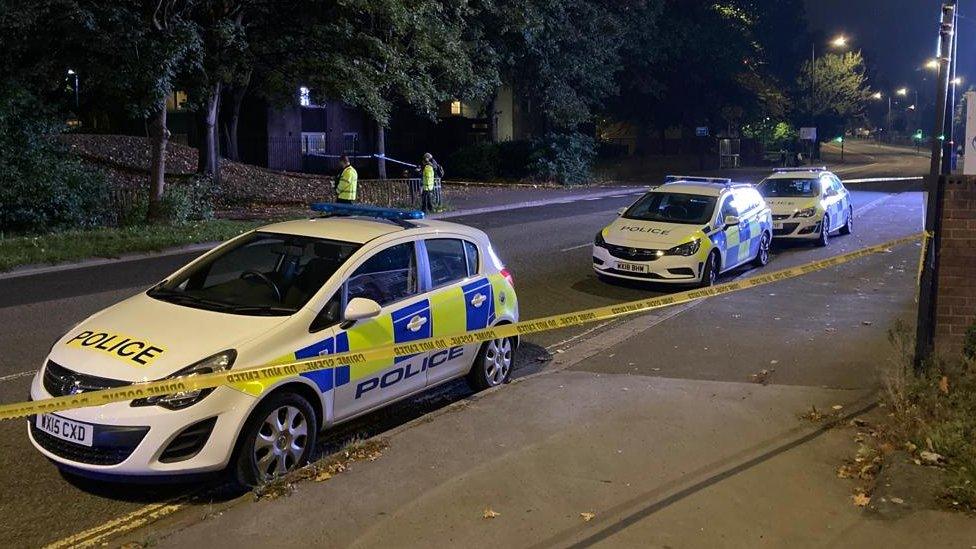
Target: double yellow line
{"points": [[387, 352]]}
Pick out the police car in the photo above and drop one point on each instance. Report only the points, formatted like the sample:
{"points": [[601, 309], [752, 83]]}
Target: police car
{"points": [[689, 230], [808, 203], [355, 278]]}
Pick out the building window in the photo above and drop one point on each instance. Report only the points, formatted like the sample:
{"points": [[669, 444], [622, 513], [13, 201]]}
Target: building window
{"points": [[313, 143], [350, 143], [304, 99], [455, 108]]}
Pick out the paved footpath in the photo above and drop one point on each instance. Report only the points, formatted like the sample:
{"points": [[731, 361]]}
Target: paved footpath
{"points": [[665, 438]]}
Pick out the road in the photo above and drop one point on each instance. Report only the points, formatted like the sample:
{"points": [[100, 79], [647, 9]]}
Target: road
{"points": [[552, 275]]}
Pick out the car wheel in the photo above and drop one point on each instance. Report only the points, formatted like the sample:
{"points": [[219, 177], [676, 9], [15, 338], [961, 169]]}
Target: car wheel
{"points": [[277, 438], [709, 271], [848, 227], [493, 364], [824, 239], [762, 256]]}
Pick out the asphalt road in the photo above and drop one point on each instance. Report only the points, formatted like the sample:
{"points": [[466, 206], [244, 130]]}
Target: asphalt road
{"points": [[547, 248]]}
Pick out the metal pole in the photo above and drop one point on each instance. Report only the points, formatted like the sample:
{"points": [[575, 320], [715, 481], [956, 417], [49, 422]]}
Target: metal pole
{"points": [[888, 122], [950, 108], [925, 325]]}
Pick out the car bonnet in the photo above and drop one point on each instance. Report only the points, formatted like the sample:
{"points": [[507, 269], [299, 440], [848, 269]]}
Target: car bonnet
{"points": [[143, 338], [650, 234]]}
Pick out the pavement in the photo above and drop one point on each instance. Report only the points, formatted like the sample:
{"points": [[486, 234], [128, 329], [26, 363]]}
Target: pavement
{"points": [[679, 410]]}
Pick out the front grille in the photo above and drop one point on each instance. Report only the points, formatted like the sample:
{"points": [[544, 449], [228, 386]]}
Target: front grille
{"points": [[632, 254], [60, 381], [112, 445], [788, 228], [780, 217], [649, 276], [189, 442]]}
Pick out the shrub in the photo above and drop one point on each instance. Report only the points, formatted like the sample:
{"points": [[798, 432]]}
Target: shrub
{"points": [[564, 158], [41, 186], [188, 201], [478, 161]]}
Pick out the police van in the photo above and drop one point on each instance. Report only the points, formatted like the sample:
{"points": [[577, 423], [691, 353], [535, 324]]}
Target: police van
{"points": [[689, 231], [808, 203], [355, 278]]}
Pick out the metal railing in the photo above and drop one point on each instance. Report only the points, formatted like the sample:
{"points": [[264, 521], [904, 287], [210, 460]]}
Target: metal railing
{"points": [[396, 193]]}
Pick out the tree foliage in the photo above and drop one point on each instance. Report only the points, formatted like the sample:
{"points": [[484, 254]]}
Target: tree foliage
{"points": [[833, 90]]}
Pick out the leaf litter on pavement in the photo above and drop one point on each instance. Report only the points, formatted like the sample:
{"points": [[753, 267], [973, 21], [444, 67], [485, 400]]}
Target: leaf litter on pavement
{"points": [[324, 469]]}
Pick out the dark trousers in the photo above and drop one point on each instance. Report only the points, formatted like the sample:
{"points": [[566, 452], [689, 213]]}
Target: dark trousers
{"points": [[426, 201], [344, 201]]}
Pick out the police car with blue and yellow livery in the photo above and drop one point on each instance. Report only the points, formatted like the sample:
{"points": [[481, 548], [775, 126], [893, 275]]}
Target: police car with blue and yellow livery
{"points": [[689, 230], [355, 278], [808, 203]]}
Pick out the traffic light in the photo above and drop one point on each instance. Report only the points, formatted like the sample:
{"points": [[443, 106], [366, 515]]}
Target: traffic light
{"points": [[918, 134], [839, 139]]}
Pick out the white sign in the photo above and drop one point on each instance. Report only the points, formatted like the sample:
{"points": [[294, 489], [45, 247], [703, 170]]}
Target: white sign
{"points": [[810, 134], [969, 151]]}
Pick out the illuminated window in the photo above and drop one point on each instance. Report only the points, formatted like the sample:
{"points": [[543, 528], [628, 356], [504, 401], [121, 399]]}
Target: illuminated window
{"points": [[455, 108], [304, 99], [313, 142]]}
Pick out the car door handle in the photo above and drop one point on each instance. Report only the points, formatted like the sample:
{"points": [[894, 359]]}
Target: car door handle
{"points": [[416, 323], [478, 299]]}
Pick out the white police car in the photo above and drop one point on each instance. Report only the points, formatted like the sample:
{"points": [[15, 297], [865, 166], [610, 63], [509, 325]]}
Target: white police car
{"points": [[807, 203], [688, 230], [355, 279]]}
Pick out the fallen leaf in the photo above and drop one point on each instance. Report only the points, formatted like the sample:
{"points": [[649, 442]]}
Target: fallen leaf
{"points": [[323, 476], [587, 517], [944, 385], [930, 458], [489, 513], [837, 407], [861, 500], [899, 501], [867, 323]]}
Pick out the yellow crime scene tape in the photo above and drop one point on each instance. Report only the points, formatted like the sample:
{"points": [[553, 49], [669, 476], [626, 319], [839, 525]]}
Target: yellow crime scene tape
{"points": [[387, 352]]}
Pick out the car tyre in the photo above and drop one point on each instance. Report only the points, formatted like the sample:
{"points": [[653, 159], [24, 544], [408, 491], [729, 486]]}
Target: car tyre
{"points": [[278, 437], [709, 271], [762, 256], [848, 227], [492, 365], [824, 238]]}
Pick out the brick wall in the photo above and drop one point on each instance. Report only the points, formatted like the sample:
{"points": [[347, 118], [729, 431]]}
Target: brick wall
{"points": [[956, 300]]}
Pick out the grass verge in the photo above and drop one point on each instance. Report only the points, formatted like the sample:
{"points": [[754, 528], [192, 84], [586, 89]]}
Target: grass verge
{"points": [[928, 421], [75, 245]]}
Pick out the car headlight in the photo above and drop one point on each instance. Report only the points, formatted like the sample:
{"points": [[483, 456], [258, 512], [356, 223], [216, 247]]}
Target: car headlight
{"points": [[177, 401], [806, 212], [598, 240], [688, 248]]}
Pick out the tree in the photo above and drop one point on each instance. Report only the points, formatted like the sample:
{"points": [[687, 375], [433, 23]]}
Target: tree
{"points": [[134, 50], [833, 90]]}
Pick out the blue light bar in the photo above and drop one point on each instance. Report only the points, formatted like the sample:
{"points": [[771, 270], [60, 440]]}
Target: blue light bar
{"points": [[365, 210]]}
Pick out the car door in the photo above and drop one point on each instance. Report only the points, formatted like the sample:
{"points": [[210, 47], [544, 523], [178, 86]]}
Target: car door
{"points": [[462, 300], [832, 200], [391, 277], [843, 202], [731, 245]]}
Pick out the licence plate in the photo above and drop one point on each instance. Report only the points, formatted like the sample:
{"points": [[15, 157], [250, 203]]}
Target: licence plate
{"points": [[777, 224], [632, 267], [65, 429]]}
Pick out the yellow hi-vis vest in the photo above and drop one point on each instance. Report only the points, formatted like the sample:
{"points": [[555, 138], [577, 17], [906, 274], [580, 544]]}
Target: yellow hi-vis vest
{"points": [[428, 177], [346, 189]]}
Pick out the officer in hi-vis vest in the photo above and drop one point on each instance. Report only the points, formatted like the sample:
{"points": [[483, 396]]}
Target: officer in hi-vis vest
{"points": [[345, 186], [427, 184]]}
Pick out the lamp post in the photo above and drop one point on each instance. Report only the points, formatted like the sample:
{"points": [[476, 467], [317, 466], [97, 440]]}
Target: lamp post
{"points": [[75, 75], [838, 42]]}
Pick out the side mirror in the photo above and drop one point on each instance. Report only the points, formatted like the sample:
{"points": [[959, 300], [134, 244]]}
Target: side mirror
{"points": [[360, 308], [731, 220], [621, 211]]}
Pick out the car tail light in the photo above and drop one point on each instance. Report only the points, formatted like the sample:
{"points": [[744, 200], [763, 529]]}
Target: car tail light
{"points": [[508, 276]]}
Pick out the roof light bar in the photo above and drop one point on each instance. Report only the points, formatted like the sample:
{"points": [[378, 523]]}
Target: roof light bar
{"points": [[801, 169], [365, 210], [696, 179]]}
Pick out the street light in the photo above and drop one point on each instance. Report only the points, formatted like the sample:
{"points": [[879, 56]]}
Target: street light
{"points": [[932, 64], [839, 42], [902, 91], [956, 81], [72, 73]]}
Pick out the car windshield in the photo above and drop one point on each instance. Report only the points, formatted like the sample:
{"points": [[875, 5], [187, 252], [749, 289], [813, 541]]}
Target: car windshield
{"points": [[264, 274], [672, 208], [782, 187]]}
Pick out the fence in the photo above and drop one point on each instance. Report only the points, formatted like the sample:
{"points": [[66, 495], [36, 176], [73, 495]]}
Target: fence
{"points": [[396, 193]]}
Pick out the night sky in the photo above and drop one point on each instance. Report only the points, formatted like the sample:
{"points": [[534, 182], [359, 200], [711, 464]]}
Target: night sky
{"points": [[897, 37]]}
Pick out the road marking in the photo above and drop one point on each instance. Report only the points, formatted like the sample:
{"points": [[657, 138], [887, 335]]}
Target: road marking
{"points": [[11, 377], [123, 524], [576, 247]]}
